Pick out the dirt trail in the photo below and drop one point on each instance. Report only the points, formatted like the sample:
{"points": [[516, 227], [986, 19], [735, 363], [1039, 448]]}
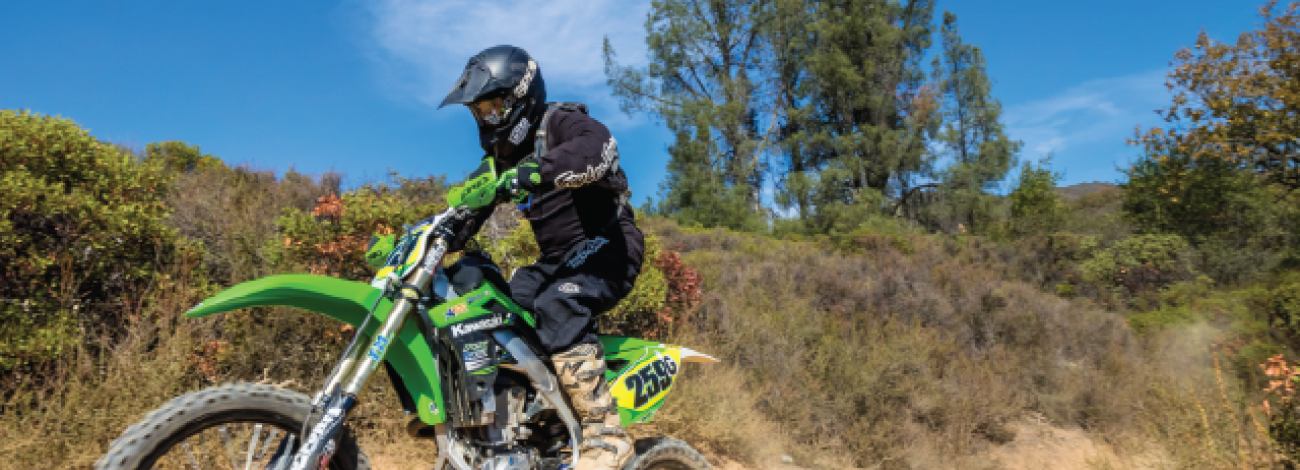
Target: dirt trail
{"points": [[1038, 446]]}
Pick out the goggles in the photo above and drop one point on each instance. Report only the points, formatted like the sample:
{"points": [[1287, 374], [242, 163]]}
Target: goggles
{"points": [[489, 112]]}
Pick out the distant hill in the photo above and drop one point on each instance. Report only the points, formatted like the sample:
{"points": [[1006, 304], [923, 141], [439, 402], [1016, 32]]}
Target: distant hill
{"points": [[1076, 191]]}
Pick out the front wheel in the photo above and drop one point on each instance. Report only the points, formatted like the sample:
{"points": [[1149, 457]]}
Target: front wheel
{"points": [[234, 426], [666, 454]]}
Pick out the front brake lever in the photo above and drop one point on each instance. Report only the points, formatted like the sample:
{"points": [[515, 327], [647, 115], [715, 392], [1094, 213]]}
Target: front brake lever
{"points": [[458, 216]]}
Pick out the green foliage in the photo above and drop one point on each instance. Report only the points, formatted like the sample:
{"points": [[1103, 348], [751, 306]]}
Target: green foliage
{"points": [[518, 248], [1185, 303], [332, 238], [972, 135], [833, 217], [1284, 426], [81, 227], [1237, 103], [1141, 262], [1284, 306], [695, 194], [854, 129], [874, 232], [1241, 317], [1242, 226], [180, 157], [1035, 207], [1097, 213], [842, 122], [716, 152], [1194, 198]]}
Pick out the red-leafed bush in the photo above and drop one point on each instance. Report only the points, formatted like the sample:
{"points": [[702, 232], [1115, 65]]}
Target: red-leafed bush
{"points": [[332, 238], [683, 284]]}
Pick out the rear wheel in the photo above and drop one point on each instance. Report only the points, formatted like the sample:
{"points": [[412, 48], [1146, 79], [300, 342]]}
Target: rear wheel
{"points": [[235, 426], [666, 454]]}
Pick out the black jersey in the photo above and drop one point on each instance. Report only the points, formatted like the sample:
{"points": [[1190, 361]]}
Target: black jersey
{"points": [[578, 206]]}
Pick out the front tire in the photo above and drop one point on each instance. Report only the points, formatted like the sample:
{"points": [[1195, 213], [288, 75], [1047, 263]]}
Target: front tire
{"points": [[666, 454], [166, 433]]}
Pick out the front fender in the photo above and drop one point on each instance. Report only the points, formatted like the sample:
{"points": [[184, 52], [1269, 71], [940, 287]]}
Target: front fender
{"points": [[346, 301]]}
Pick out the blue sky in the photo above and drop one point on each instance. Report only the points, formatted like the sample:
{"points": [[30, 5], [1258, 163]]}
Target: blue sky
{"points": [[353, 86]]}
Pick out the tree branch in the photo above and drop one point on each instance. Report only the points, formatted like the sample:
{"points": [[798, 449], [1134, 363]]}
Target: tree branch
{"points": [[902, 200]]}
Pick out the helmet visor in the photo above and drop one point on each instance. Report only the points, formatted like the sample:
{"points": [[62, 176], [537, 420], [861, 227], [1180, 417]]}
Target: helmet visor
{"points": [[489, 112]]}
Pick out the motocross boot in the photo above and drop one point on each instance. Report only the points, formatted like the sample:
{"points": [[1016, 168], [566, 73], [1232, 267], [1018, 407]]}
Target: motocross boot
{"points": [[581, 370]]}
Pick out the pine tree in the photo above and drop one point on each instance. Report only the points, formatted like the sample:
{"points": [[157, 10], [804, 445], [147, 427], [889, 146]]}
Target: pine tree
{"points": [[861, 114], [972, 136], [1035, 207], [829, 101], [698, 81], [787, 44]]}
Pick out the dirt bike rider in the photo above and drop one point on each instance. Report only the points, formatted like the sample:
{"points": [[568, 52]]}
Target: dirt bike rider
{"points": [[562, 166]]}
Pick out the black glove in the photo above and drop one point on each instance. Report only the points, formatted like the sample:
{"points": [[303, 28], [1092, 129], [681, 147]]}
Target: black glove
{"points": [[530, 174], [516, 183]]}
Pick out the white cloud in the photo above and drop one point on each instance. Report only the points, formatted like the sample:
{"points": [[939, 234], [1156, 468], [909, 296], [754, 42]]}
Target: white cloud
{"points": [[421, 46], [1101, 111]]}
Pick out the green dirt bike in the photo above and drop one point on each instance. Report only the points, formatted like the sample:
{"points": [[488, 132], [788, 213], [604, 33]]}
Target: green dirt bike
{"points": [[462, 357]]}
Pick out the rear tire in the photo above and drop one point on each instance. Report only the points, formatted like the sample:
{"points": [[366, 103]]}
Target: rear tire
{"points": [[666, 454], [144, 443]]}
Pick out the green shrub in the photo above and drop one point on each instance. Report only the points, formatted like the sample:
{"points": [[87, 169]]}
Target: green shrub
{"points": [[1284, 305], [516, 249], [1141, 262], [332, 238], [1242, 318], [1236, 264], [1098, 213], [1035, 206], [1192, 197], [180, 157], [1241, 226], [81, 227]]}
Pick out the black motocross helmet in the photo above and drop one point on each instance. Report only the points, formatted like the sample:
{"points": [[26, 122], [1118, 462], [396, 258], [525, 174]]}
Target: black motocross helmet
{"points": [[510, 78]]}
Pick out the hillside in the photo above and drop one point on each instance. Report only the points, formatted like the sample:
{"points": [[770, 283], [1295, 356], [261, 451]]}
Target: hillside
{"points": [[1076, 191], [916, 353], [883, 347]]}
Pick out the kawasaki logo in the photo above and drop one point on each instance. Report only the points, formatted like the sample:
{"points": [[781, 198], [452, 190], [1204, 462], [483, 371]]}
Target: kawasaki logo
{"points": [[466, 328]]}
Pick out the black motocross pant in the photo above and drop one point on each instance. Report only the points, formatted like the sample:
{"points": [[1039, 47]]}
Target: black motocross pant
{"points": [[566, 294]]}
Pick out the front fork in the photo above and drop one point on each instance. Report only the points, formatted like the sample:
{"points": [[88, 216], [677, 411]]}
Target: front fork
{"points": [[340, 393]]}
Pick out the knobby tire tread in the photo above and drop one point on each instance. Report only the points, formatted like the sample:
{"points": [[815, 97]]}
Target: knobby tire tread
{"points": [[161, 428], [666, 450]]}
